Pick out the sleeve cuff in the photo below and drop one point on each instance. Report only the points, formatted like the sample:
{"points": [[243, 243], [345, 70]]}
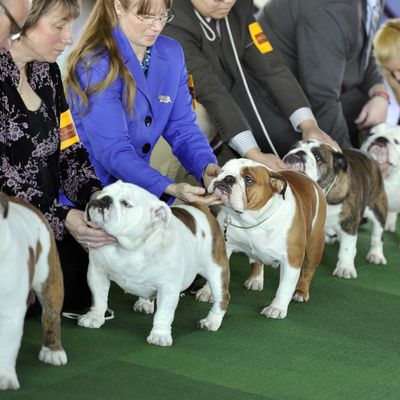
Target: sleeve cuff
{"points": [[243, 142], [299, 116]]}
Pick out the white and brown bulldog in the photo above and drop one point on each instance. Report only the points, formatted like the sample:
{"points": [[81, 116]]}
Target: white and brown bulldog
{"points": [[353, 187], [158, 253], [29, 259], [383, 144], [273, 218]]}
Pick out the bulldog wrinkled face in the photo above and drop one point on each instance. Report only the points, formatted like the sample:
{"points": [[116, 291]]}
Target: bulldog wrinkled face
{"points": [[383, 144], [123, 209], [319, 161], [246, 185]]}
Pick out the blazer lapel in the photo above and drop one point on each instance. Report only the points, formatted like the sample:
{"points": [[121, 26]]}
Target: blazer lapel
{"points": [[158, 70], [132, 63]]}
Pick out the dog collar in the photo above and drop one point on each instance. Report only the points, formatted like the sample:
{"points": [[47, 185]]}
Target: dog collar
{"points": [[228, 222]]}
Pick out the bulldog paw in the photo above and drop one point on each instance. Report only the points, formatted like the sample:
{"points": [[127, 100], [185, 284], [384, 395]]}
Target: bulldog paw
{"points": [[254, 284], [91, 320], [144, 306], [275, 312], [300, 297], [376, 258], [160, 339], [209, 324], [8, 379], [204, 295], [345, 272], [57, 357]]}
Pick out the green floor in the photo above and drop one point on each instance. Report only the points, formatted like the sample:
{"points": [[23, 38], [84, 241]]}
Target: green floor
{"points": [[343, 344]]}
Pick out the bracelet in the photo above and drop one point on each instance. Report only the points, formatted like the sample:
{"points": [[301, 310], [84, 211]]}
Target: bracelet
{"points": [[384, 95]]}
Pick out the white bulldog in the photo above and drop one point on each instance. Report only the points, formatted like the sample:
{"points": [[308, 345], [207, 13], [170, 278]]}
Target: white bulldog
{"points": [[158, 253], [29, 259], [353, 187], [383, 144], [275, 218]]}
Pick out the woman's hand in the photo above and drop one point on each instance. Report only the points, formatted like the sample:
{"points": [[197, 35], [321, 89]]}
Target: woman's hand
{"points": [[87, 233], [191, 194]]}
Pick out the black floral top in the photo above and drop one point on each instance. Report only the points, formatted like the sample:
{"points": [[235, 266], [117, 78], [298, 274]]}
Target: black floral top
{"points": [[32, 167]]}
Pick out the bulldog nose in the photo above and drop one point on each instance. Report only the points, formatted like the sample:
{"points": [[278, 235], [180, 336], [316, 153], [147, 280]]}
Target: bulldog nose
{"points": [[104, 203], [230, 179], [381, 141]]}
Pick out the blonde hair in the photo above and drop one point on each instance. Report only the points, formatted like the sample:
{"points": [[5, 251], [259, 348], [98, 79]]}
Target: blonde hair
{"points": [[97, 40], [387, 41]]}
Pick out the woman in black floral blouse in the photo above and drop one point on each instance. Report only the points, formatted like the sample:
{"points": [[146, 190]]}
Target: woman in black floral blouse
{"points": [[39, 153]]}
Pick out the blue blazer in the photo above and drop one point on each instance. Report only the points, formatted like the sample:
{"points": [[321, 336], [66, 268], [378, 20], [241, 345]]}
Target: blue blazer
{"points": [[120, 143]]}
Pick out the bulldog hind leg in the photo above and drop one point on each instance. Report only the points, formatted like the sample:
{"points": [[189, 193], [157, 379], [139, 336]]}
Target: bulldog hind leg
{"points": [[255, 281], [99, 285], [391, 221], [218, 280], [375, 254], [11, 328], [51, 300], [144, 306]]}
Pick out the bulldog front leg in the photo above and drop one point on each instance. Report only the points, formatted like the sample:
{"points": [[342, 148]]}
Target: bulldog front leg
{"points": [[167, 301], [347, 252], [391, 220], [289, 277], [99, 285]]}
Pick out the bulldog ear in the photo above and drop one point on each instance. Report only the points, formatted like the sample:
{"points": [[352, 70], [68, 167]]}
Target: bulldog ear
{"points": [[278, 184], [340, 162], [160, 213], [4, 205]]}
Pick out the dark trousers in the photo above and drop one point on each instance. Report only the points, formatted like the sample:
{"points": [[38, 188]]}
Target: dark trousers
{"points": [[74, 264]]}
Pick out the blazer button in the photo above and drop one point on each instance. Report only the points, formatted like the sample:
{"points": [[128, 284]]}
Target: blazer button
{"points": [[148, 120], [146, 148]]}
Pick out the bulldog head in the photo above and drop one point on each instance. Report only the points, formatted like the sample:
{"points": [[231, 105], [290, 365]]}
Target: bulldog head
{"points": [[247, 185], [383, 144], [129, 213], [319, 161]]}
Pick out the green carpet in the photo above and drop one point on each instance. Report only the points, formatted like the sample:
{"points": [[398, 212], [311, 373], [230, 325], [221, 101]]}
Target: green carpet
{"points": [[343, 344]]}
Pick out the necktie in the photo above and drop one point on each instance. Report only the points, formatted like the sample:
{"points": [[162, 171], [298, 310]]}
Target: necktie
{"points": [[214, 27], [372, 17]]}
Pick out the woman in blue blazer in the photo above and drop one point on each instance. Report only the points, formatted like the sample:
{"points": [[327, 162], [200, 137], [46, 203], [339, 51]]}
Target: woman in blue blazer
{"points": [[127, 86]]}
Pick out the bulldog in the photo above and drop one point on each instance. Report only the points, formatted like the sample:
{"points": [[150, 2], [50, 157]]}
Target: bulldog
{"points": [[353, 187], [275, 218], [383, 144], [158, 253], [29, 259]]}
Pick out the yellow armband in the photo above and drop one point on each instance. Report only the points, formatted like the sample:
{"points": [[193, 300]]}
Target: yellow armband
{"points": [[68, 134], [259, 38]]}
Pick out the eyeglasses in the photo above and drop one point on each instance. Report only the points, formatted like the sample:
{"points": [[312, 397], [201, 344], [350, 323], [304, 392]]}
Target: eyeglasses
{"points": [[151, 19], [16, 30]]}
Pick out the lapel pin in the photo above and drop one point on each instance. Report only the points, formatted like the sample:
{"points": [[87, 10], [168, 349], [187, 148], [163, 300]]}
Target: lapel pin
{"points": [[164, 99]]}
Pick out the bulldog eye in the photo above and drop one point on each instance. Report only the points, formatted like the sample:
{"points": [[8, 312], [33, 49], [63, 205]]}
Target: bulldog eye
{"points": [[396, 141], [248, 180], [125, 204]]}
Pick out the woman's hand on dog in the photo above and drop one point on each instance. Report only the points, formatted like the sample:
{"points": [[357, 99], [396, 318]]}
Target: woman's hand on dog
{"points": [[191, 194], [87, 233]]}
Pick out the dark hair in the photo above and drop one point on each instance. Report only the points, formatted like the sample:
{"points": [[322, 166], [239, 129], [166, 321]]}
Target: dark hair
{"points": [[41, 7]]}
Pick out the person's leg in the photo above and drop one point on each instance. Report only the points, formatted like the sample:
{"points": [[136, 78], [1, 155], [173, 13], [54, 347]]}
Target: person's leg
{"points": [[74, 263]]}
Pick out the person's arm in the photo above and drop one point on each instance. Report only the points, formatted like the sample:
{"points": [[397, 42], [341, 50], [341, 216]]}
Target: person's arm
{"points": [[210, 91], [188, 143], [325, 42]]}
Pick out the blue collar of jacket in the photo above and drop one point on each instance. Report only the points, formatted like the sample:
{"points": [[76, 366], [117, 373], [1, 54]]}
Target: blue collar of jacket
{"points": [[126, 49], [155, 75]]}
